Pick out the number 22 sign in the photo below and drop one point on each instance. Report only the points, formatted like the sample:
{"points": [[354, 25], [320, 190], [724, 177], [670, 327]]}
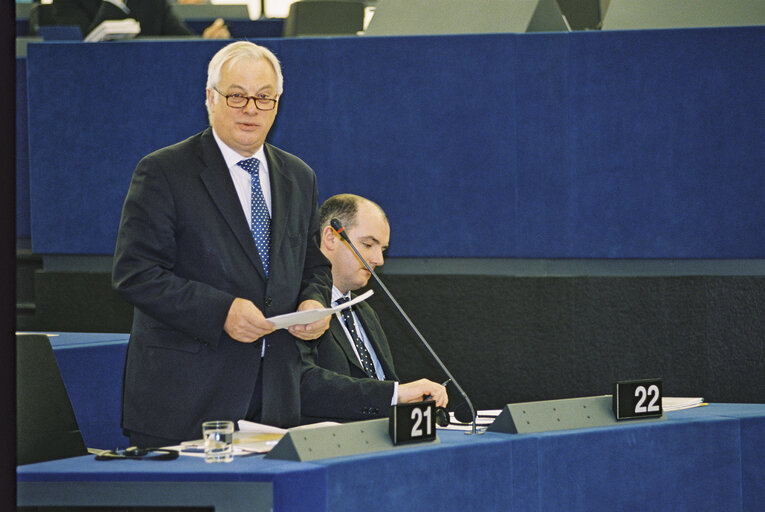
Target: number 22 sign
{"points": [[637, 399]]}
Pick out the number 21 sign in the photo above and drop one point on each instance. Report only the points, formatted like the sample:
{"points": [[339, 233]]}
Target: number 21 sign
{"points": [[410, 423]]}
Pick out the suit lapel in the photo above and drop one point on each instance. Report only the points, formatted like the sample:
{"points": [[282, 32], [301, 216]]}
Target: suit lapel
{"points": [[282, 190], [218, 182], [374, 334]]}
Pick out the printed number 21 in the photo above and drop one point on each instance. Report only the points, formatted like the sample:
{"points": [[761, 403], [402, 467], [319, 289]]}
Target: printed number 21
{"points": [[417, 415], [643, 394]]}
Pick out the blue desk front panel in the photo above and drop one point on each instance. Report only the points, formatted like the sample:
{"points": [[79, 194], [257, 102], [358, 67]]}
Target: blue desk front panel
{"points": [[706, 459], [752, 424], [657, 467], [637, 144], [460, 473], [700, 460], [298, 487], [753, 463]]}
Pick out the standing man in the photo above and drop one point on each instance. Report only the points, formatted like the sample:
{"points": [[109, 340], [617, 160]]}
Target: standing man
{"points": [[219, 232], [349, 372]]}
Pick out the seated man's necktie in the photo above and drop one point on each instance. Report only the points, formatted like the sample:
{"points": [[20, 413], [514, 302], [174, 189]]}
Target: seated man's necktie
{"points": [[366, 359]]}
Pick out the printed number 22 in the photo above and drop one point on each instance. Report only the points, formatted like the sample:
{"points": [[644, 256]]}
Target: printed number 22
{"points": [[417, 415], [643, 394]]}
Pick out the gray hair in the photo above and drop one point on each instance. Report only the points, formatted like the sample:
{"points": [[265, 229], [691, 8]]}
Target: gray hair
{"points": [[236, 52]]}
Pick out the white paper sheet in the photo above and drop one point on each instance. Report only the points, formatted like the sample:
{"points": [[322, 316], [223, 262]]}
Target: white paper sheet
{"points": [[312, 315], [677, 403], [484, 418]]}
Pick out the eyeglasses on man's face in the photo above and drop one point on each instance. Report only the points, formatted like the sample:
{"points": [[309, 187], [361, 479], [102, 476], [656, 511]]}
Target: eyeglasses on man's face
{"points": [[239, 100]]}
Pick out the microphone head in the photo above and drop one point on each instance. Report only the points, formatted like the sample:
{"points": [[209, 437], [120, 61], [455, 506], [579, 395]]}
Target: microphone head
{"points": [[339, 229], [442, 417], [462, 413]]}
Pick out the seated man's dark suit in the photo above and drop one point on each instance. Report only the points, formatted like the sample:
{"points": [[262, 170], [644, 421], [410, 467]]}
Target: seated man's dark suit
{"points": [[334, 385], [156, 17], [184, 252]]}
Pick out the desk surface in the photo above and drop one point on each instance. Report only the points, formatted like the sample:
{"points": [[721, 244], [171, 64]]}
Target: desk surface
{"points": [[709, 458]]}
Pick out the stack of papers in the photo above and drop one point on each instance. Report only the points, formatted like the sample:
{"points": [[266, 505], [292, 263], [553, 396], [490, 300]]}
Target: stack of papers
{"points": [[483, 419], [251, 438], [110, 30], [669, 403]]}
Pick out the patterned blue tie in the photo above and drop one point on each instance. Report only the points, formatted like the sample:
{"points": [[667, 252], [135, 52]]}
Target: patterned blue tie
{"points": [[260, 220], [366, 359]]}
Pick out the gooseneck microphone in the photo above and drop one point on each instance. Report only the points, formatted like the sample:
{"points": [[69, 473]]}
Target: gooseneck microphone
{"points": [[340, 230]]}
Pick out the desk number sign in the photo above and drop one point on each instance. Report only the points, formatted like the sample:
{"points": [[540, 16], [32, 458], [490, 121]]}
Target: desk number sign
{"points": [[637, 399], [413, 423]]}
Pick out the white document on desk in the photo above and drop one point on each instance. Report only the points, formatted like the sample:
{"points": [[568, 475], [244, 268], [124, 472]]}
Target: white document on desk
{"points": [[110, 30], [251, 438], [258, 428], [669, 403], [259, 438], [312, 315], [484, 418]]}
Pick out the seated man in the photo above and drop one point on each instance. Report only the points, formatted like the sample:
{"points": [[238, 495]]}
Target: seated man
{"points": [[156, 17], [362, 383]]}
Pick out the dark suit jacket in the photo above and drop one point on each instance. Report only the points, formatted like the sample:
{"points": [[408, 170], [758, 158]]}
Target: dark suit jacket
{"points": [[184, 252], [156, 17], [334, 385]]}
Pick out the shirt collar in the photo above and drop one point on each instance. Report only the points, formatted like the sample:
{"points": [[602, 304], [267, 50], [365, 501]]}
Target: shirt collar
{"points": [[337, 294], [232, 158]]}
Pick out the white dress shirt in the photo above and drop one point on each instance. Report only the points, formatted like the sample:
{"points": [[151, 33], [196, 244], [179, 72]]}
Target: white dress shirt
{"points": [[243, 184], [242, 178]]}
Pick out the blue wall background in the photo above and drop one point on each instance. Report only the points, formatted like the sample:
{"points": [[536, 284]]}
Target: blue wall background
{"points": [[22, 152], [639, 144]]}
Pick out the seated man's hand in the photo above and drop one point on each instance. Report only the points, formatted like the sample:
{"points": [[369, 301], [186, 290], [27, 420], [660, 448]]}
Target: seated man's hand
{"points": [[218, 30], [313, 330], [422, 389], [245, 322]]}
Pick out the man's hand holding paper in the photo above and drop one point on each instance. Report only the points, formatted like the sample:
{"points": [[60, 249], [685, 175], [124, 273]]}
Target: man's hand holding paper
{"points": [[311, 319], [312, 330]]}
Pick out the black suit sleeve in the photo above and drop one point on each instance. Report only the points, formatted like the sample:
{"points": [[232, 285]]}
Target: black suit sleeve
{"points": [[326, 395], [317, 276], [172, 24]]}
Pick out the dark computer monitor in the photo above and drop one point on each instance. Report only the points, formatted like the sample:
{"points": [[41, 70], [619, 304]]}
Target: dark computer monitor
{"points": [[46, 428], [420, 17]]}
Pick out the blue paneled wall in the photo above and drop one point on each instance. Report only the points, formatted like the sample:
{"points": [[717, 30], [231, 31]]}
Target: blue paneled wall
{"points": [[639, 144], [22, 151]]}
